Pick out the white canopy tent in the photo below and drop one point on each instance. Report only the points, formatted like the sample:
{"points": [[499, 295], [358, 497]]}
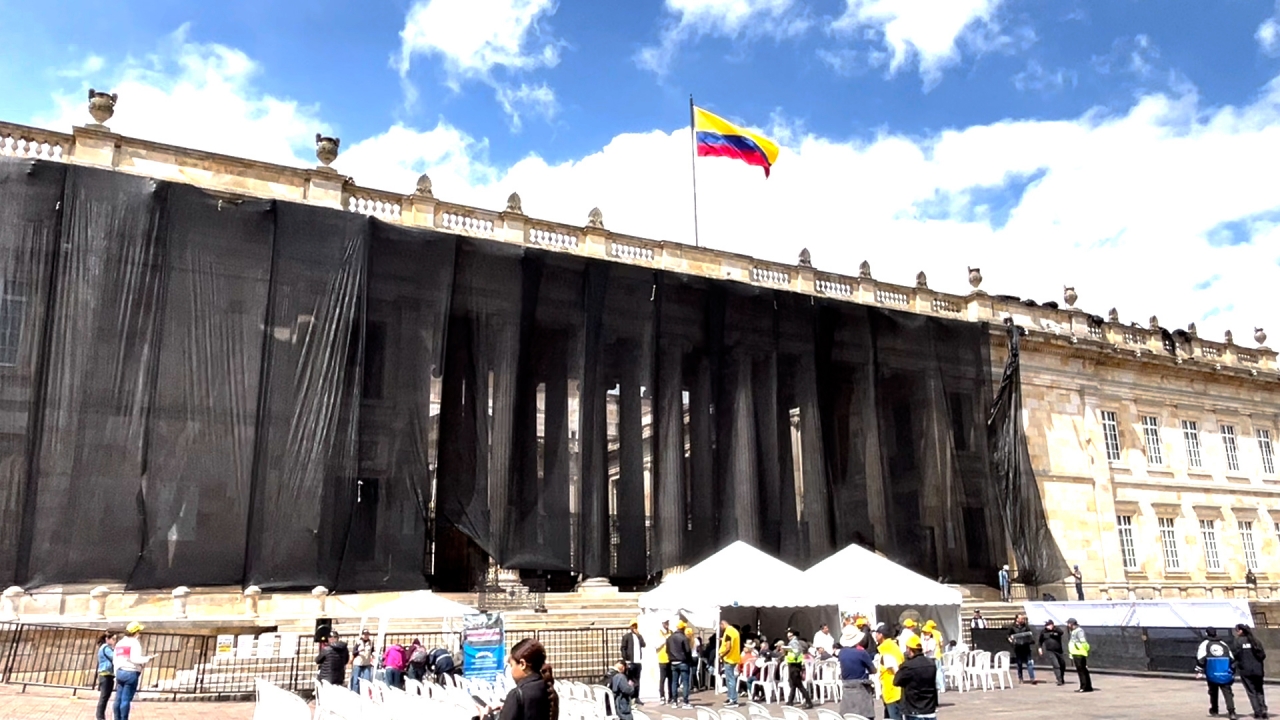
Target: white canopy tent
{"points": [[743, 585], [1195, 614], [418, 605], [875, 586]]}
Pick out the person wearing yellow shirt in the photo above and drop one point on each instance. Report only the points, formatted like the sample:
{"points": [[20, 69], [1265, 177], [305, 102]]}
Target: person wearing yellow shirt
{"points": [[664, 666], [931, 640], [889, 658], [730, 656]]}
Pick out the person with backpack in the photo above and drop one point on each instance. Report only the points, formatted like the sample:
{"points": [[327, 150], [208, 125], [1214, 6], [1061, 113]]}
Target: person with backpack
{"points": [[1217, 666], [1250, 658], [417, 669], [106, 672]]}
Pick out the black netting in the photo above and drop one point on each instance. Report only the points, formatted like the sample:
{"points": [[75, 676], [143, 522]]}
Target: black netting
{"points": [[208, 390]]}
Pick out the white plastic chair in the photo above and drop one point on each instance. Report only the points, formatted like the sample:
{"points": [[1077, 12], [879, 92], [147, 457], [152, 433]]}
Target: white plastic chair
{"points": [[706, 714], [855, 716], [638, 714], [767, 682], [824, 714], [755, 709], [1000, 671], [277, 704], [790, 713], [730, 715], [827, 685], [602, 697], [978, 671], [953, 665]]}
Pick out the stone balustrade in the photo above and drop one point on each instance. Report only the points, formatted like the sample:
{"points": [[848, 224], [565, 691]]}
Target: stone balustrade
{"points": [[322, 186]]}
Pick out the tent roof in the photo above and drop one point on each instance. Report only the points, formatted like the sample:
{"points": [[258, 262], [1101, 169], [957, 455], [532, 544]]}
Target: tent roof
{"points": [[739, 575], [856, 572], [1195, 614], [418, 605]]}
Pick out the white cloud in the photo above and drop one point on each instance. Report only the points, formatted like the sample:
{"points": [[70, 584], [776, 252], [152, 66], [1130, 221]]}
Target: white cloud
{"points": [[1120, 205], [90, 65], [1268, 36], [928, 31], [689, 20], [1037, 78], [476, 38]]}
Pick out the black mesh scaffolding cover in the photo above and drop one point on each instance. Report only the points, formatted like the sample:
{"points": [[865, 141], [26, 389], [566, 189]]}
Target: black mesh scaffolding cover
{"points": [[1039, 557], [205, 390]]}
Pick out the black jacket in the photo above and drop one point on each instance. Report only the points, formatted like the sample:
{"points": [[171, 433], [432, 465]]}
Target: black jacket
{"points": [[1051, 640], [1249, 657], [332, 660], [528, 700], [918, 677], [627, 642], [678, 650]]}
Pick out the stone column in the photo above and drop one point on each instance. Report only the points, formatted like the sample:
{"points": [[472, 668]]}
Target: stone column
{"points": [[9, 602], [180, 595], [251, 595], [320, 592], [98, 602]]}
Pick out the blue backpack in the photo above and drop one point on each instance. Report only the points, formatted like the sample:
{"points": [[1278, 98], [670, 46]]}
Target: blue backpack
{"points": [[1217, 663]]}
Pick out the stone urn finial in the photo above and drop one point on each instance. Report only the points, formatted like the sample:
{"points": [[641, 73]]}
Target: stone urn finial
{"points": [[595, 218], [1154, 323], [326, 149], [1069, 296], [806, 260], [1229, 338], [1191, 330], [513, 204], [922, 282], [975, 277], [1113, 315], [864, 269], [102, 105], [424, 186], [1260, 336]]}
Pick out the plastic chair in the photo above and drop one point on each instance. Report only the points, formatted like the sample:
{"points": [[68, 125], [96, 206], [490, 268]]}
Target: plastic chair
{"points": [[767, 683], [827, 685], [854, 716], [978, 671], [790, 713], [824, 714], [637, 714], [755, 709], [1001, 670], [706, 714], [730, 715]]}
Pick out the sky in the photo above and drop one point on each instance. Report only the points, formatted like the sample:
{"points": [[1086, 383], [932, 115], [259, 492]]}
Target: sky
{"points": [[1126, 148]]}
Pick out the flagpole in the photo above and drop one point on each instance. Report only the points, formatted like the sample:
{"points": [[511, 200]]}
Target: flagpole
{"points": [[693, 147]]}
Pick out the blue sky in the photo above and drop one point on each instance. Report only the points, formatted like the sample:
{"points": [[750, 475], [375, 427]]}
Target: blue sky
{"points": [[1126, 147]]}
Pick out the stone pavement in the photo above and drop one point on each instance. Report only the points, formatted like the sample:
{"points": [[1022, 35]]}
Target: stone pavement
{"points": [[1117, 698]]}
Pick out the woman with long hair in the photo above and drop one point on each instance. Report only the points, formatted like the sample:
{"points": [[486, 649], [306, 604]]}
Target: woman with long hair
{"points": [[106, 672], [534, 696], [1250, 659]]}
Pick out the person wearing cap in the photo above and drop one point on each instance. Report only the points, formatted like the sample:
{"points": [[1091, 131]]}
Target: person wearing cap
{"points": [[633, 655], [362, 660], [1216, 665], [1078, 649], [917, 678], [909, 630], [931, 639], [889, 658], [730, 654], [128, 661], [864, 629], [679, 655], [795, 670], [1051, 643], [665, 692], [332, 660], [856, 669]]}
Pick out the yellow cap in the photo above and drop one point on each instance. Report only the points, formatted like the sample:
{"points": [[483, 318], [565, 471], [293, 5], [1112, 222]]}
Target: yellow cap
{"points": [[681, 625], [634, 623], [134, 628], [929, 625], [860, 620], [909, 623], [913, 642]]}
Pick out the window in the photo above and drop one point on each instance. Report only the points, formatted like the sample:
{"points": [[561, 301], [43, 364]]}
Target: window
{"points": [[1169, 544], [1124, 526], [1268, 453], [1247, 542], [1111, 434], [1191, 436], [1151, 434], [1209, 538], [13, 308], [1229, 446]]}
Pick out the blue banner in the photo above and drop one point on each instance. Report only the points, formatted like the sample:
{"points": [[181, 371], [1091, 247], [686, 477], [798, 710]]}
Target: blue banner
{"points": [[484, 647]]}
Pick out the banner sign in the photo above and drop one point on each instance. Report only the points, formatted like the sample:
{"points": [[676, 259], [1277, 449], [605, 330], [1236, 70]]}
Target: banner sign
{"points": [[226, 646], [484, 648]]}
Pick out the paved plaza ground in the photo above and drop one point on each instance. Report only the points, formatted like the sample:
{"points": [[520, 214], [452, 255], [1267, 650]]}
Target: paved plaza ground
{"points": [[1117, 697]]}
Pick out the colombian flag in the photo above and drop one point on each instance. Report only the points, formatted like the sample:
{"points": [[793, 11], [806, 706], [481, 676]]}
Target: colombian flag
{"points": [[717, 137]]}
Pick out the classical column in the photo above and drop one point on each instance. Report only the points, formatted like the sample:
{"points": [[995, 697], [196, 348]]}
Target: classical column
{"points": [[669, 450]]}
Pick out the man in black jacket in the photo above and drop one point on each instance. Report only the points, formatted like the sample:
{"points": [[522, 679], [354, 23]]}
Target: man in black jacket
{"points": [[1051, 644], [1021, 637], [679, 654], [918, 679], [332, 659], [633, 656]]}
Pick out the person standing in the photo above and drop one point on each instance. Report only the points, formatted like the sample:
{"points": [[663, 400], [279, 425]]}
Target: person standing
{"points": [[332, 660], [633, 656], [106, 672], [823, 641], [393, 665], [418, 658], [128, 661], [908, 631], [795, 670], [977, 622], [1078, 649], [918, 682], [1217, 666], [1051, 643], [665, 695], [362, 661], [1005, 588], [889, 658], [623, 690], [679, 654], [931, 640], [534, 697], [858, 694], [730, 655], [1075, 573], [1250, 659], [1021, 637]]}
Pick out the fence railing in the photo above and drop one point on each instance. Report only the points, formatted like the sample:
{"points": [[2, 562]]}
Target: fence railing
{"points": [[66, 657]]}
